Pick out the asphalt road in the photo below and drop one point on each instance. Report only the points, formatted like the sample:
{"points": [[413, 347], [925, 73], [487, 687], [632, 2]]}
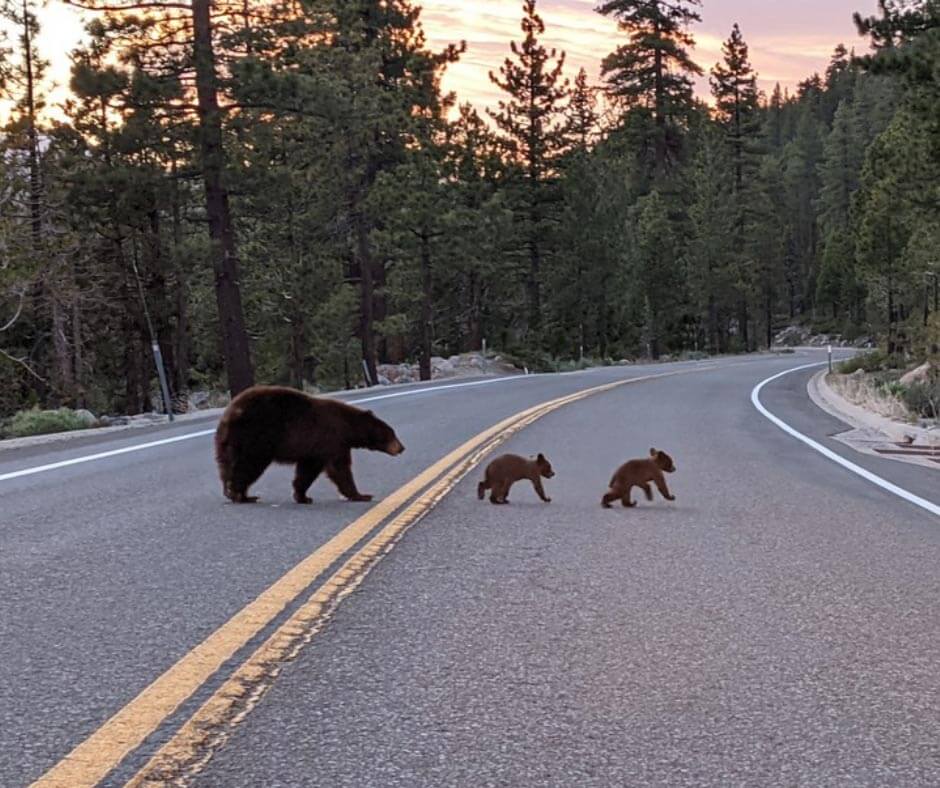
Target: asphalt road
{"points": [[777, 624]]}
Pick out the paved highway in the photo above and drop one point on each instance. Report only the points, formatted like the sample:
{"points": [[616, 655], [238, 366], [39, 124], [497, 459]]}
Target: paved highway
{"points": [[777, 624]]}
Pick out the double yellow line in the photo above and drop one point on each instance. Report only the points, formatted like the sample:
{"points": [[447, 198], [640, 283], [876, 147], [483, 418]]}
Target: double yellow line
{"points": [[193, 744]]}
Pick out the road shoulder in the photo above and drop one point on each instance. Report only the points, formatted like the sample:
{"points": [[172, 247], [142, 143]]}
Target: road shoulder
{"points": [[870, 433]]}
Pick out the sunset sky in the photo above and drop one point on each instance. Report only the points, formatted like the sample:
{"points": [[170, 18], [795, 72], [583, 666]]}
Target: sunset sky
{"points": [[788, 40]]}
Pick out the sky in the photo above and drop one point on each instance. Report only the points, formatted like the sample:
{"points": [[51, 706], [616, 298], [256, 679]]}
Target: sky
{"points": [[788, 39]]}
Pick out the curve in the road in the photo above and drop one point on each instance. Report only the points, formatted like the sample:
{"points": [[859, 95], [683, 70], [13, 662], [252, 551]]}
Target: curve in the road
{"points": [[884, 484]]}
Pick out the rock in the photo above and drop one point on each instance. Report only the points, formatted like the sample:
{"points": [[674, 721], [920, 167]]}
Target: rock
{"points": [[922, 374], [441, 367], [792, 336], [86, 417], [198, 399], [114, 421], [384, 381]]}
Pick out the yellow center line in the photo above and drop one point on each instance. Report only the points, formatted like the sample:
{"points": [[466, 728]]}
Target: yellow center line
{"points": [[91, 760]]}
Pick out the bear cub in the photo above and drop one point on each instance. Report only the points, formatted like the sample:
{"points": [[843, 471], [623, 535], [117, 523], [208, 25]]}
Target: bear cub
{"points": [[266, 424], [639, 473], [508, 469]]}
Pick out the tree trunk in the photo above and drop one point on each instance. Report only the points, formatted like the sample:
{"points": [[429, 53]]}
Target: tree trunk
{"points": [[235, 344], [159, 301], [181, 340], [660, 109], [366, 299], [78, 360], [298, 346], [743, 321], [131, 330], [714, 332], [769, 317], [60, 345], [475, 319], [426, 308], [533, 284], [35, 191]]}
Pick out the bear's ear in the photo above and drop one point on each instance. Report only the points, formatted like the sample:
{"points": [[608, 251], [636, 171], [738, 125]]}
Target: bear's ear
{"points": [[653, 452], [541, 457]]}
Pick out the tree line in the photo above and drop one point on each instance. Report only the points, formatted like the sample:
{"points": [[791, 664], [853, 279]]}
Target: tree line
{"points": [[280, 191]]}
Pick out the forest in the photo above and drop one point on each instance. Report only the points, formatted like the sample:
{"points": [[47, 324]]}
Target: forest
{"points": [[279, 191]]}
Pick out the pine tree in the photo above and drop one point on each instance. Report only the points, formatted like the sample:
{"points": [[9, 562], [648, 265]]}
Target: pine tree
{"points": [[656, 259], [654, 71], [774, 130], [480, 297], [534, 133], [191, 56], [843, 155], [734, 86], [582, 114], [711, 259]]}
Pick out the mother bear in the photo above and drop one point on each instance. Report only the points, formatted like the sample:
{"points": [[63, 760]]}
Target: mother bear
{"points": [[266, 424]]}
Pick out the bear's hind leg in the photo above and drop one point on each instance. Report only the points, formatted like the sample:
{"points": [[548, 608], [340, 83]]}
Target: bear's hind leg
{"points": [[305, 475], [611, 496], [647, 490], [498, 492], [340, 472]]}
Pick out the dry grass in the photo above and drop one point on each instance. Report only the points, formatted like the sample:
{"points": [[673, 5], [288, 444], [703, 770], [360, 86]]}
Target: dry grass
{"points": [[861, 390]]}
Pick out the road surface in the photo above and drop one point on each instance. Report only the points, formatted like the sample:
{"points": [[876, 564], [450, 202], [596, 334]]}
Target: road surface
{"points": [[777, 625]]}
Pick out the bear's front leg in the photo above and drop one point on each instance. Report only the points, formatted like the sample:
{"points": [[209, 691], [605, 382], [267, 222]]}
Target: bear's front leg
{"points": [[664, 489], [305, 475], [340, 472], [540, 491]]}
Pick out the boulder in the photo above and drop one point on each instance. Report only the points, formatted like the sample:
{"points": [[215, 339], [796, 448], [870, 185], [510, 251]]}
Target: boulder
{"points": [[198, 400], [922, 374], [86, 417]]}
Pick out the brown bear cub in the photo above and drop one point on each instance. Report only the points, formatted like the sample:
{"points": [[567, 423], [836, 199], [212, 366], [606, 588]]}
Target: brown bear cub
{"points": [[639, 473], [266, 424], [508, 469]]}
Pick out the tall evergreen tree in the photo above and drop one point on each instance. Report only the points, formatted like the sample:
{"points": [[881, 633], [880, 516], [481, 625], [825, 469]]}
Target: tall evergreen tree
{"points": [[582, 114], [535, 133], [734, 86], [654, 71]]}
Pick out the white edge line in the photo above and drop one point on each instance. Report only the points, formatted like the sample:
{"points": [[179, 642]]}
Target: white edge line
{"points": [[829, 454], [52, 466], [102, 455]]}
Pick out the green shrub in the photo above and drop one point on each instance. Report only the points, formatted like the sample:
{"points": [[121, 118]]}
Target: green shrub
{"points": [[43, 422], [923, 398], [867, 362]]}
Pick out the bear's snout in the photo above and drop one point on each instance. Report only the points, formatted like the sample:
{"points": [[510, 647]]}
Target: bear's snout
{"points": [[395, 447]]}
